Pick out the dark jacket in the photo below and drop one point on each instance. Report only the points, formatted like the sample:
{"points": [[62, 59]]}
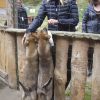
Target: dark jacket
{"points": [[91, 22], [66, 14], [22, 18]]}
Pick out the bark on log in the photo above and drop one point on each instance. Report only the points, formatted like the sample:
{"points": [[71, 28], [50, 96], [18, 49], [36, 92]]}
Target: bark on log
{"points": [[21, 57], [45, 77], [60, 72], [78, 35], [96, 73], [11, 60], [2, 51], [10, 13], [7, 57], [79, 69], [30, 70]]}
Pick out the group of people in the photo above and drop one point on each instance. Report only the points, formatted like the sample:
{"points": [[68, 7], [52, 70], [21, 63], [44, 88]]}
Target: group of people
{"points": [[63, 15], [91, 24]]}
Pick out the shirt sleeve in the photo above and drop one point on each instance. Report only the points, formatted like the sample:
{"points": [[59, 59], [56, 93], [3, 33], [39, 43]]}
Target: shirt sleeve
{"points": [[84, 21], [38, 20]]}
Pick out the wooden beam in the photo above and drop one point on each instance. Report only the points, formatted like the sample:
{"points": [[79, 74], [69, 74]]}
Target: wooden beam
{"points": [[9, 13], [77, 34], [96, 73], [60, 72], [79, 69], [3, 74]]}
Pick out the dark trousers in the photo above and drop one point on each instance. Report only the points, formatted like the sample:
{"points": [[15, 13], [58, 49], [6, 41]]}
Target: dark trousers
{"points": [[90, 60]]}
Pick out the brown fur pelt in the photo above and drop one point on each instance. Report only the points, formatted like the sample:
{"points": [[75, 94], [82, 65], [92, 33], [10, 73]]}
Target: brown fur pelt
{"points": [[30, 70], [45, 77]]}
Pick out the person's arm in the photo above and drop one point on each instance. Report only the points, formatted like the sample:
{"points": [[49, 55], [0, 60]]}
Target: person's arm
{"points": [[74, 17], [84, 21], [38, 20]]}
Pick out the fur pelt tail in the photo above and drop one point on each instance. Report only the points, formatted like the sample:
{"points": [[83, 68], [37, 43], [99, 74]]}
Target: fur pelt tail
{"points": [[47, 83], [24, 88]]}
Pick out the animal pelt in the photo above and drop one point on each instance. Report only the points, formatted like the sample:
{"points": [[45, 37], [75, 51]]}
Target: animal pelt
{"points": [[45, 77], [30, 70]]}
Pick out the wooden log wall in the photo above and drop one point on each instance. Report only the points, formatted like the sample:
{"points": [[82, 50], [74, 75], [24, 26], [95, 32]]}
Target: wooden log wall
{"points": [[60, 72], [79, 69], [96, 72], [79, 64], [80, 44], [9, 59]]}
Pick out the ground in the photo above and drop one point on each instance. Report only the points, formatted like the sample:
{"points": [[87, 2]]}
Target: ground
{"points": [[8, 94]]}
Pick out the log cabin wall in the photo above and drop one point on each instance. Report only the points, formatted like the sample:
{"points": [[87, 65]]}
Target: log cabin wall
{"points": [[12, 59]]}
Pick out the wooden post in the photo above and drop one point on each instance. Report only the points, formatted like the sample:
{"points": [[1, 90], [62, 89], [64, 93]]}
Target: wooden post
{"points": [[9, 13], [15, 14], [11, 60], [96, 73], [79, 69], [21, 56], [60, 72], [12, 20]]}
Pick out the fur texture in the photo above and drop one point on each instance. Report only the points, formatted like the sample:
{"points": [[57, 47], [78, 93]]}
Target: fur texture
{"points": [[30, 70], [45, 77]]}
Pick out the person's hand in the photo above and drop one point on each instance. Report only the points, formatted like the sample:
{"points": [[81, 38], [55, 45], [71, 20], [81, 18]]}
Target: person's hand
{"points": [[24, 40], [52, 21]]}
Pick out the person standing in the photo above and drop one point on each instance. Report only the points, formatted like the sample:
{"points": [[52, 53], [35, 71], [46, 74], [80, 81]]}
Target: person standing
{"points": [[22, 15], [91, 24]]}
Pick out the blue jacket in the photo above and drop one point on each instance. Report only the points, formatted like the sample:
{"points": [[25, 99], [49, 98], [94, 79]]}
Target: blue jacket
{"points": [[66, 14], [91, 22]]}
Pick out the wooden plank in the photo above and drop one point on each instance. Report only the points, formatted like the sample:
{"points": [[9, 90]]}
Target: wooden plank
{"points": [[13, 30], [21, 57], [2, 51], [3, 74], [10, 61], [9, 13], [79, 69], [78, 35], [60, 72], [96, 73]]}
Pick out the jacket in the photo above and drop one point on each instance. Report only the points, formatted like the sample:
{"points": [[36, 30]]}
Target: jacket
{"points": [[22, 18], [67, 16], [91, 22]]}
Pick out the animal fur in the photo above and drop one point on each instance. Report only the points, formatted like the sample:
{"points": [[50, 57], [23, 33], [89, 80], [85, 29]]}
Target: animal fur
{"points": [[45, 77], [29, 85]]}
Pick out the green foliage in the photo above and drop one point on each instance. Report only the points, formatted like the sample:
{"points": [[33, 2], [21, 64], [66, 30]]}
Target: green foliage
{"points": [[32, 2], [87, 92], [82, 5], [35, 4]]}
